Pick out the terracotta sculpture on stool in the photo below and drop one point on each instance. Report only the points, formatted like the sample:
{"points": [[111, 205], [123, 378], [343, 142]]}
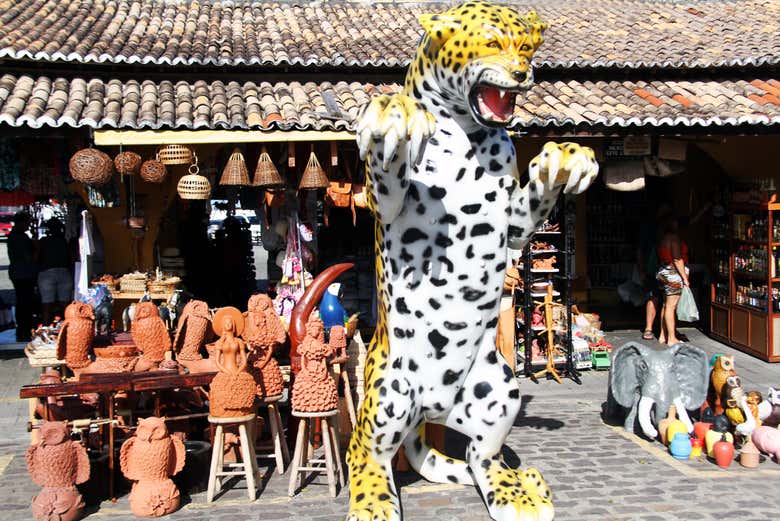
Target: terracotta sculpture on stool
{"points": [[263, 332], [192, 334], [76, 335], [233, 389], [57, 464], [150, 336], [314, 390], [150, 458]]}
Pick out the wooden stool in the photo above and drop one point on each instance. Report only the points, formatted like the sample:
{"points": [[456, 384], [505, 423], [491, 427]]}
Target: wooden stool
{"points": [[339, 372], [248, 466], [330, 445], [280, 452]]}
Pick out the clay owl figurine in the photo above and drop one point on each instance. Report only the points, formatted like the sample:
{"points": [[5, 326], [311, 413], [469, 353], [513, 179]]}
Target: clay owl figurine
{"points": [[232, 391], [263, 332], [76, 335], [150, 336], [314, 390], [192, 334], [722, 369], [150, 458], [57, 464]]}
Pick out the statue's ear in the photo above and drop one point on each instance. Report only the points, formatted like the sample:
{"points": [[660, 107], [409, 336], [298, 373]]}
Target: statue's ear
{"points": [[538, 26], [691, 368], [440, 27]]}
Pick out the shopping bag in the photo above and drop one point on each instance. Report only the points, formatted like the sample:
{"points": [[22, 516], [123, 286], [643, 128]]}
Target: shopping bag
{"points": [[686, 308]]}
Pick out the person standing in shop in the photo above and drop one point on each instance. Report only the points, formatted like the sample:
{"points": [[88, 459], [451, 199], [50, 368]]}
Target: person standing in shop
{"points": [[673, 276], [55, 278], [23, 274]]}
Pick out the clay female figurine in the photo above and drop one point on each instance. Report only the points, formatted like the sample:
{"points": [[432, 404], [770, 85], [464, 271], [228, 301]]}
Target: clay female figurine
{"points": [[57, 464], [192, 334], [233, 389], [149, 458], [314, 389], [76, 335], [264, 331], [150, 336]]}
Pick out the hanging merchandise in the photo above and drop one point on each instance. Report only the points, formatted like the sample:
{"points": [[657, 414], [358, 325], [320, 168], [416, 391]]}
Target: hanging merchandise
{"points": [[10, 168], [86, 250], [91, 166], [624, 176], [153, 171], [106, 196], [266, 173], [295, 278], [127, 162], [235, 172], [194, 186], [175, 155], [313, 176]]}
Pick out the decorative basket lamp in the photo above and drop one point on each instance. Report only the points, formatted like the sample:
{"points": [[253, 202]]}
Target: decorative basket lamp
{"points": [[235, 172], [175, 155], [153, 171], [127, 162], [91, 166], [193, 186], [314, 176], [266, 173]]}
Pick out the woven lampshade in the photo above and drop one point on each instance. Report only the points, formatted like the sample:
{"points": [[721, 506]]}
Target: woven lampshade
{"points": [[193, 186], [153, 171], [174, 155], [314, 176], [266, 173], [91, 166], [235, 172], [127, 162]]}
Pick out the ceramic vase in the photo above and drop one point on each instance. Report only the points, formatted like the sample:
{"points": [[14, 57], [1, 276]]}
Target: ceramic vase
{"points": [[749, 455], [712, 438], [700, 429], [675, 426], [723, 452], [680, 446], [663, 425], [697, 447]]}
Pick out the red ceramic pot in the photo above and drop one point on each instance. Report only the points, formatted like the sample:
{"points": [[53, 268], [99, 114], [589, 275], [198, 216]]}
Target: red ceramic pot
{"points": [[700, 429], [724, 453]]}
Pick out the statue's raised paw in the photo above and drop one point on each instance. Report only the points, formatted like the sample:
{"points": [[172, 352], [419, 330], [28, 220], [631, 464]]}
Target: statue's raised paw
{"points": [[519, 496], [567, 164], [394, 124]]}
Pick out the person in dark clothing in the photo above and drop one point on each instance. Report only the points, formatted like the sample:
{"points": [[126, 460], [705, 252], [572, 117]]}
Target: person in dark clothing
{"points": [[22, 272], [55, 278]]}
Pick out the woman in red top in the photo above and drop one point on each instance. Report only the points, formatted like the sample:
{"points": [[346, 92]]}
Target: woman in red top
{"points": [[673, 275]]}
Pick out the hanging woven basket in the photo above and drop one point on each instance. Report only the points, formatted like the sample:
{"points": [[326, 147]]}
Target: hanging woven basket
{"points": [[193, 186], [266, 173], [91, 166], [175, 155], [127, 162], [153, 171], [314, 176], [235, 172]]}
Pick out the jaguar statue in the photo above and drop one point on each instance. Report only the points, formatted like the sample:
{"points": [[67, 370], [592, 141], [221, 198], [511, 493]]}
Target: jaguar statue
{"points": [[445, 191]]}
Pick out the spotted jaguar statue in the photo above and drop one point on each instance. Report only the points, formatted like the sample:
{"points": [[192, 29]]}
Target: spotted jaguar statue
{"points": [[445, 191]]}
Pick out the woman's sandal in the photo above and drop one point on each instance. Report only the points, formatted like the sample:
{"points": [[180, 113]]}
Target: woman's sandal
{"points": [[648, 335]]}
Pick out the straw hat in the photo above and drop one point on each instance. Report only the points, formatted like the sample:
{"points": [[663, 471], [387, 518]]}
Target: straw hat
{"points": [[235, 173], [222, 314], [314, 176]]}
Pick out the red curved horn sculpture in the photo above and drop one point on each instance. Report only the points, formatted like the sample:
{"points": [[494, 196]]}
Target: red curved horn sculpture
{"points": [[302, 310]]}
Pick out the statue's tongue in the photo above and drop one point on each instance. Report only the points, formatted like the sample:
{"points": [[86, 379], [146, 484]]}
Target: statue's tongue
{"points": [[498, 101]]}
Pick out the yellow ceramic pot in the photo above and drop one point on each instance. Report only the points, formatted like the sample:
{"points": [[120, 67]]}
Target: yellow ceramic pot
{"points": [[713, 437], [675, 427]]}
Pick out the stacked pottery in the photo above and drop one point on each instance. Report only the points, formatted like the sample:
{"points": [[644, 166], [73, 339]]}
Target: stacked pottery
{"points": [[680, 446], [723, 452], [232, 392], [264, 331], [314, 389], [57, 464]]}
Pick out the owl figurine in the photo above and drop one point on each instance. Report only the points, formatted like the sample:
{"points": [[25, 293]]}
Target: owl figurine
{"points": [[192, 334], [262, 333], [721, 370], [150, 336], [76, 335], [149, 459], [57, 464]]}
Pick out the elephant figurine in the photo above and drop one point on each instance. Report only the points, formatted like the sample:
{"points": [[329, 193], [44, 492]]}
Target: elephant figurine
{"points": [[642, 377]]}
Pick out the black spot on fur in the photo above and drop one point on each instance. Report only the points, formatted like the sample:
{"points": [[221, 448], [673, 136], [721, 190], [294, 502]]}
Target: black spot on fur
{"points": [[437, 192], [400, 304], [442, 240], [460, 175], [459, 395], [413, 365], [495, 148], [514, 394], [471, 208], [481, 229], [412, 235], [454, 326], [448, 219], [470, 251], [479, 172], [535, 204], [450, 377], [438, 282], [482, 389], [461, 234], [434, 303], [471, 294], [494, 165], [398, 332]]}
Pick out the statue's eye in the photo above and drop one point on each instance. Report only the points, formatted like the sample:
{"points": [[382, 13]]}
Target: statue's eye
{"points": [[494, 45], [525, 47]]}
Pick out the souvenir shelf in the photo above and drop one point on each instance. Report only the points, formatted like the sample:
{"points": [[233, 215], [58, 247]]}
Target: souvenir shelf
{"points": [[745, 287], [557, 234]]}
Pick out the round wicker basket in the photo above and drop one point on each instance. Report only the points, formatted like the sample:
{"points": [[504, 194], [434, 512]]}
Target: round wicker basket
{"points": [[314, 176], [91, 166], [193, 186], [153, 171], [127, 163], [235, 173], [175, 155], [266, 173]]}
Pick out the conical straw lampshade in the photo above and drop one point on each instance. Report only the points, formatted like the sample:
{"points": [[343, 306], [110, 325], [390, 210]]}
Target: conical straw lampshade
{"points": [[266, 173], [235, 173], [314, 176]]}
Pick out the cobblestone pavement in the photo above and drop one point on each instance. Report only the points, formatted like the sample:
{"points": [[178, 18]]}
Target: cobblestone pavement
{"points": [[596, 471]]}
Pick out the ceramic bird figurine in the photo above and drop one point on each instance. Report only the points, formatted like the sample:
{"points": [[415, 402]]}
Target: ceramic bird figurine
{"points": [[331, 310], [192, 334], [76, 335], [57, 464], [150, 336], [149, 458], [263, 332], [722, 369]]}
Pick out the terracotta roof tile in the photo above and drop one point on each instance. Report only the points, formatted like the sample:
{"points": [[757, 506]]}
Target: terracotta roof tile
{"points": [[583, 33]]}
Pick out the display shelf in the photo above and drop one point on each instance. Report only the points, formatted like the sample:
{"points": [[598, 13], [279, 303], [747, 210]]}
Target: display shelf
{"points": [[750, 275], [748, 307], [719, 305]]}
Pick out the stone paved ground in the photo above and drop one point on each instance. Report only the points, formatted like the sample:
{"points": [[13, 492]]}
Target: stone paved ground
{"points": [[596, 471]]}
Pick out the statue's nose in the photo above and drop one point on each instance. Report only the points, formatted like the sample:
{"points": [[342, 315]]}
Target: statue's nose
{"points": [[521, 76]]}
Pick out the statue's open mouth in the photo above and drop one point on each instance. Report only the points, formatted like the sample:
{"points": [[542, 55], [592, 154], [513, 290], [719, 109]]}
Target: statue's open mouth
{"points": [[491, 105]]}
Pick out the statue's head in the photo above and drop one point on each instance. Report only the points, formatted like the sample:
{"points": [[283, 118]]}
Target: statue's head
{"points": [[479, 54], [79, 310]]}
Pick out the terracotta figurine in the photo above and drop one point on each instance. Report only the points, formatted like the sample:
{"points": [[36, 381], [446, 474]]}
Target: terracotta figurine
{"points": [[149, 458], [314, 389], [192, 334], [150, 336], [338, 341], [57, 464], [264, 331], [233, 389], [76, 335]]}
